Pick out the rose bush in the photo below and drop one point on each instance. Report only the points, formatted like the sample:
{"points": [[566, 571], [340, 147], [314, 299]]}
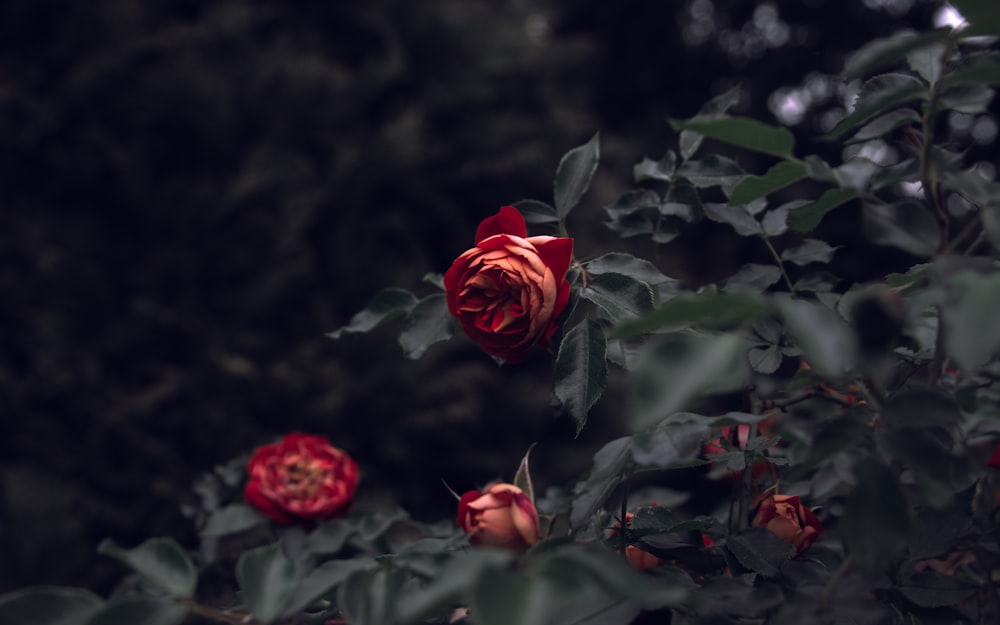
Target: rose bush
{"points": [[302, 477], [508, 291], [501, 516], [789, 520], [638, 558]]}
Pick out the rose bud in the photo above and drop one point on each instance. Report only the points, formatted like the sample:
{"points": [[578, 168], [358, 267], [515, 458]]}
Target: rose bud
{"points": [[508, 291], [636, 557], [789, 520], [300, 478], [502, 516]]}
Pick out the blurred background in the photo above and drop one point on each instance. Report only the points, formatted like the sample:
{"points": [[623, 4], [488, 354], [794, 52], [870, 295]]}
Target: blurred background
{"points": [[192, 193]]}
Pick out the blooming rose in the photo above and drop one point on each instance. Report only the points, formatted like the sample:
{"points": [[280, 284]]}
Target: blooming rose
{"points": [[638, 558], [508, 291], [503, 516], [302, 477], [789, 520]]}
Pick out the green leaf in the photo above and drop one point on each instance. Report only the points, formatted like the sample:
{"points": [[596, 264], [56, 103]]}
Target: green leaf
{"points": [[778, 177], [907, 225], [267, 579], [649, 169], [502, 597], [927, 61], [983, 17], [135, 609], [982, 68], [921, 408], [581, 370], [368, 597], [879, 95], [885, 124], [427, 323], [876, 522], [522, 479], [969, 99], [231, 519], [826, 343], [711, 171], [48, 605], [743, 132], [322, 581], [765, 360], [690, 141], [610, 463], [683, 201], [631, 201], [576, 168], [752, 279], [621, 296], [809, 251], [449, 585], [938, 473], [760, 551], [880, 53], [670, 444], [806, 218], [928, 589], [736, 216], [535, 212], [972, 335], [160, 561], [387, 304], [627, 265], [775, 221], [681, 368], [711, 310]]}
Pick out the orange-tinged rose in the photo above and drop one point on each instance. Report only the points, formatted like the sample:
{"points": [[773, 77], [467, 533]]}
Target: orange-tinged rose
{"points": [[302, 477], [636, 557], [508, 291], [789, 520], [501, 516]]}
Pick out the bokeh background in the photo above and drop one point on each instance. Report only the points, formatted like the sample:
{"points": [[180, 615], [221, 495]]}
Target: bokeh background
{"points": [[192, 193]]}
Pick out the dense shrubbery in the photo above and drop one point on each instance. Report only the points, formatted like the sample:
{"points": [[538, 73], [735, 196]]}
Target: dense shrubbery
{"points": [[853, 426]]}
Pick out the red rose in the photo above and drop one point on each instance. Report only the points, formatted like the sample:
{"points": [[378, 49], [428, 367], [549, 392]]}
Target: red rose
{"points": [[508, 291], [789, 520], [503, 516], [302, 477]]}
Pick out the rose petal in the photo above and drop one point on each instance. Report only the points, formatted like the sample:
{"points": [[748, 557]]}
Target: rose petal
{"points": [[508, 220]]}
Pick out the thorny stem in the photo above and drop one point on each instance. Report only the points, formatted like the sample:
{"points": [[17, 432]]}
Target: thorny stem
{"points": [[781, 264]]}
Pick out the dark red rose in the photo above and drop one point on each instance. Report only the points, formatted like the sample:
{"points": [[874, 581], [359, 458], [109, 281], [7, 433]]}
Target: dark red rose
{"points": [[789, 520], [508, 291], [302, 477], [502, 516]]}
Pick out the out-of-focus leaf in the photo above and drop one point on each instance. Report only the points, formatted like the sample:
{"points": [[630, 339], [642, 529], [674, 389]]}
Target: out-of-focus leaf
{"points": [[928, 589], [710, 310], [806, 218], [322, 581], [760, 551], [535, 212], [267, 579], [881, 53], [876, 522], [581, 369], [662, 170], [680, 368], [778, 177], [983, 17], [387, 304], [939, 474], [809, 251], [885, 124], [161, 562], [427, 323], [856, 173], [48, 605], [826, 342], [765, 360], [670, 444], [907, 225], [904, 171], [736, 216], [921, 408], [576, 168], [610, 463], [369, 596], [972, 336], [982, 68], [743, 132], [231, 519], [970, 99], [879, 95], [130, 610], [744, 597], [627, 265], [450, 584], [752, 279], [621, 296], [500, 597], [712, 171], [976, 186]]}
